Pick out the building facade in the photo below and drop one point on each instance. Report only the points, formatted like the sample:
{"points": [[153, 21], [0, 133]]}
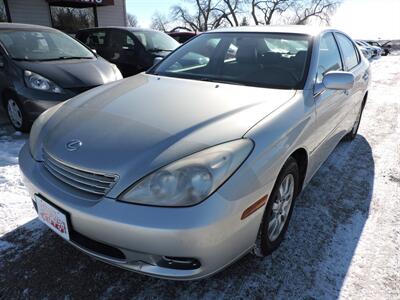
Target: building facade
{"points": [[66, 15]]}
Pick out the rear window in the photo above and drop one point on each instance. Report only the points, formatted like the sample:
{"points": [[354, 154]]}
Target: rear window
{"points": [[351, 59]]}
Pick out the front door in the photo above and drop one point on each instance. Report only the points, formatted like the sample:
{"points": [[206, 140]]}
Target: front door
{"points": [[330, 104]]}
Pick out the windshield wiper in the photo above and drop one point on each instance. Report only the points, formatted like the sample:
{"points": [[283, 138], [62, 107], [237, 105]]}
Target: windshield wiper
{"points": [[67, 57], [55, 58], [23, 59], [158, 50], [222, 81]]}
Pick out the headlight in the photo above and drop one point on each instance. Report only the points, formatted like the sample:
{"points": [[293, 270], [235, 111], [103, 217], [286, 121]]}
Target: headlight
{"points": [[38, 82], [117, 72], [192, 179]]}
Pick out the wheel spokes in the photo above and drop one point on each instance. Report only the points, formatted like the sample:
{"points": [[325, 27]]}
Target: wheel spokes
{"points": [[281, 207], [14, 113]]}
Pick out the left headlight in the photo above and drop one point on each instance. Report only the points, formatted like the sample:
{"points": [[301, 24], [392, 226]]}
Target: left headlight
{"points": [[37, 133], [192, 179], [38, 82]]}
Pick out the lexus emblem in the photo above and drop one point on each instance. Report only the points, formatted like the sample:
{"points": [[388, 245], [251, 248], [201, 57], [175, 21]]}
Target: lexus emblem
{"points": [[73, 145]]}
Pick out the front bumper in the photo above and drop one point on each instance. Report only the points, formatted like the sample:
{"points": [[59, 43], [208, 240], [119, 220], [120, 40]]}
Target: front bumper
{"points": [[211, 234]]}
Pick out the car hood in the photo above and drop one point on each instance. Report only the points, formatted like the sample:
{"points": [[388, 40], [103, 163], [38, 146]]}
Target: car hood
{"points": [[73, 73], [139, 124]]}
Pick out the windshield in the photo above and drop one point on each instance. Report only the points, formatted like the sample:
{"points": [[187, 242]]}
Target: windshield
{"points": [[257, 59], [156, 41], [42, 45]]}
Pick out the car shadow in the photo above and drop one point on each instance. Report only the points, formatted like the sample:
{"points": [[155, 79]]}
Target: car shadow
{"points": [[311, 263]]}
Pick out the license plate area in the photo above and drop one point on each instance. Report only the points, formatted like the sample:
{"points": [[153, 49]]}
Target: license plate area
{"points": [[53, 217]]}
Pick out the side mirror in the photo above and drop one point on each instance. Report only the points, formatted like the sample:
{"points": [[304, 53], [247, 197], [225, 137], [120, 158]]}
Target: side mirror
{"points": [[157, 60], [338, 80]]}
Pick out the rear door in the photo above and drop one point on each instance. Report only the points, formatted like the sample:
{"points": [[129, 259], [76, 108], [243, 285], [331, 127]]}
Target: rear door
{"points": [[352, 63], [125, 51], [96, 40]]}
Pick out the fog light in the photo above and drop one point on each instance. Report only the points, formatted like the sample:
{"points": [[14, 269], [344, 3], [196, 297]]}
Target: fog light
{"points": [[179, 263]]}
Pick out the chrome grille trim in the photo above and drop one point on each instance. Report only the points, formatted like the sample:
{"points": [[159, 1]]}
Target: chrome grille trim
{"points": [[90, 182]]}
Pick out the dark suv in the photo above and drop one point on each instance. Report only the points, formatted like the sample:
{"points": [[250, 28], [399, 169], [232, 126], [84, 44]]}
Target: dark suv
{"points": [[182, 36], [133, 50], [41, 66]]}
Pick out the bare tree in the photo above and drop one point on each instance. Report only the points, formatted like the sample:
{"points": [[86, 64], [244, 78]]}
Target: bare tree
{"points": [[229, 10], [296, 11], [159, 22], [208, 14], [316, 9], [132, 20], [262, 11]]}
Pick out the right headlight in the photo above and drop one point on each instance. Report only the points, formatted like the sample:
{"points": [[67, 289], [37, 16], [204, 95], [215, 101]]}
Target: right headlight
{"points": [[191, 179], [38, 82]]}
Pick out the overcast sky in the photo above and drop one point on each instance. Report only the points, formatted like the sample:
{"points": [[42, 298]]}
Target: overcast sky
{"points": [[369, 19]]}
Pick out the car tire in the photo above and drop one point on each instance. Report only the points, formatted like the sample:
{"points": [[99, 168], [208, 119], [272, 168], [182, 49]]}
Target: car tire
{"points": [[16, 113], [353, 132], [268, 240]]}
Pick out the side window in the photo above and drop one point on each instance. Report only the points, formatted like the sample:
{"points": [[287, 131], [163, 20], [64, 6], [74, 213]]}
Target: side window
{"points": [[196, 60], [329, 56], [130, 43], [120, 40], [95, 39], [350, 57]]}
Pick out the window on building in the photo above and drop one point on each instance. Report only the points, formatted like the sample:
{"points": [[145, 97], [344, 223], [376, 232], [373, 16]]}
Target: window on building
{"points": [[72, 19], [4, 17]]}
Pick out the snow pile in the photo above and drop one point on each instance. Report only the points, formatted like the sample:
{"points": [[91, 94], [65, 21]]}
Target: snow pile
{"points": [[15, 203]]}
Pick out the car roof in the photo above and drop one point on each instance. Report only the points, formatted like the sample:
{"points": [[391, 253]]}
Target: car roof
{"points": [[131, 29], [183, 33], [296, 29], [20, 26]]}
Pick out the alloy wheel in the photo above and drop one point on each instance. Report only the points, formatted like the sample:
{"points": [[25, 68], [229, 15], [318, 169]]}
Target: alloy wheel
{"points": [[15, 113], [281, 207]]}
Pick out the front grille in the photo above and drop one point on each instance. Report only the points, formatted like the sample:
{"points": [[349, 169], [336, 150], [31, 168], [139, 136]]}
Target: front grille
{"points": [[90, 182]]}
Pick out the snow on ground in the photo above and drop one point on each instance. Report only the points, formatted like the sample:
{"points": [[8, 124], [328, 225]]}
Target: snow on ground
{"points": [[15, 204], [343, 240]]}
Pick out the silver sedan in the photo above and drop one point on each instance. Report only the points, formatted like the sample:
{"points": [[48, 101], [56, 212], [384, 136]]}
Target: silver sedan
{"points": [[180, 171]]}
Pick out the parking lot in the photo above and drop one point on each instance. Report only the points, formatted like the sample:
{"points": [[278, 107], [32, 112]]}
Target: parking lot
{"points": [[343, 240]]}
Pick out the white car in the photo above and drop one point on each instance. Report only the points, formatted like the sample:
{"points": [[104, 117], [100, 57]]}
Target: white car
{"points": [[375, 50]]}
